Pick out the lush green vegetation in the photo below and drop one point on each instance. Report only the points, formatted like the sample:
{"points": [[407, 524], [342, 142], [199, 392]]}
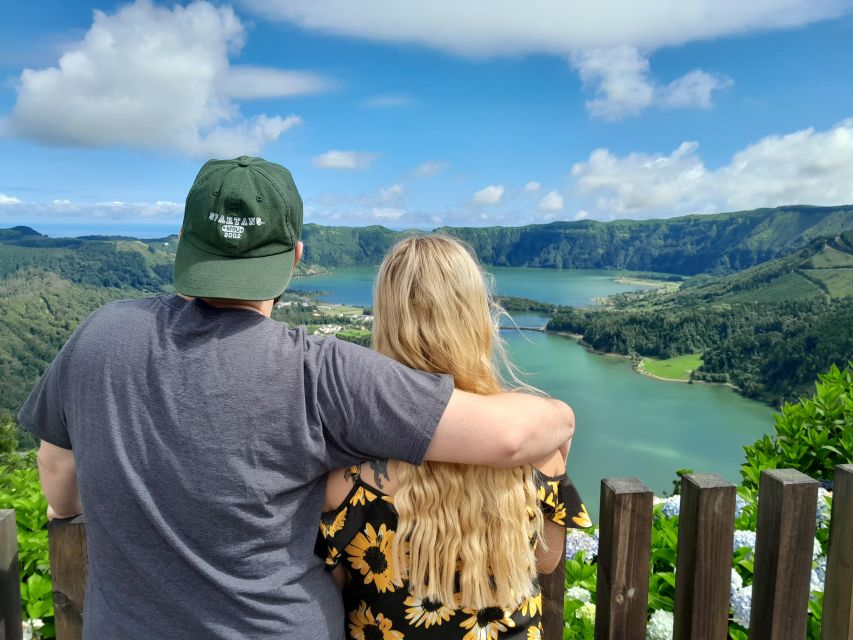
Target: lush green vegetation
{"points": [[814, 436], [20, 490], [514, 304], [761, 330], [720, 243], [38, 313]]}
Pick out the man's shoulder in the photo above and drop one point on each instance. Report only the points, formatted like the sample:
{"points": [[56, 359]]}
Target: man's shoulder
{"points": [[123, 308]]}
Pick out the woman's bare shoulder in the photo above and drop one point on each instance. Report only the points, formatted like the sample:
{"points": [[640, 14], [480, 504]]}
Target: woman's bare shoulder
{"points": [[381, 474]]}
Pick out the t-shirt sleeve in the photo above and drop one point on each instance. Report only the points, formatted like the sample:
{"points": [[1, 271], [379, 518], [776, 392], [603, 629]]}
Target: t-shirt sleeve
{"points": [[43, 413], [374, 407]]}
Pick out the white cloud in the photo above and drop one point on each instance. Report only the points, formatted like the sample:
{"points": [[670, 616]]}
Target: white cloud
{"points": [[490, 27], [392, 193], [692, 90], [490, 195], [388, 213], [430, 168], [583, 31], [619, 78], [804, 167], [249, 83], [580, 215], [388, 101], [552, 201], [115, 210], [349, 160], [8, 200], [154, 77], [532, 186]]}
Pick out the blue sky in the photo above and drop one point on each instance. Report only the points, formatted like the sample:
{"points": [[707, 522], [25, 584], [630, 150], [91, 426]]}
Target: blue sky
{"points": [[476, 113]]}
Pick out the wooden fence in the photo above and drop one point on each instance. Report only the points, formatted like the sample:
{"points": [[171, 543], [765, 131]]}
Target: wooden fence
{"points": [[780, 590]]}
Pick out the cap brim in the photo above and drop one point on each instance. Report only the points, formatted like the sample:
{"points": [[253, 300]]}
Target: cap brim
{"points": [[204, 275]]}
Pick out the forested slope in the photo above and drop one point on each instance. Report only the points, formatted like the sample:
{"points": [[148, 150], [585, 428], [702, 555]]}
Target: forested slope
{"points": [[769, 330], [719, 243]]}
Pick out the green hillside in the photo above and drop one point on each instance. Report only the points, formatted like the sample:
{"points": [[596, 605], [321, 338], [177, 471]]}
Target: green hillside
{"points": [[38, 313], [769, 329], [823, 268], [719, 244]]}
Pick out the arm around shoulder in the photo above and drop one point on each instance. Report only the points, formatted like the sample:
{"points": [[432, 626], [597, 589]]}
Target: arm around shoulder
{"points": [[500, 430]]}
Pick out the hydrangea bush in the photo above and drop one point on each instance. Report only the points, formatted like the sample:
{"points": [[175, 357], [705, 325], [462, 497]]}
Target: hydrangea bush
{"points": [[20, 490], [813, 436], [582, 553]]}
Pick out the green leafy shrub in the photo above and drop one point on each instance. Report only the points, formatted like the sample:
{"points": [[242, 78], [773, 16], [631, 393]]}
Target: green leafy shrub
{"points": [[20, 490], [813, 436]]}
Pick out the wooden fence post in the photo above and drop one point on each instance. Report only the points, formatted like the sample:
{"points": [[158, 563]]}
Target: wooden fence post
{"points": [[838, 593], [787, 500], [10, 582], [553, 593], [624, 545], [704, 558], [69, 563]]}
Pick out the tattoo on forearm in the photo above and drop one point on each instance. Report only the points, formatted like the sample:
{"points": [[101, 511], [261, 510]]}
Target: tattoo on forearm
{"points": [[380, 468]]}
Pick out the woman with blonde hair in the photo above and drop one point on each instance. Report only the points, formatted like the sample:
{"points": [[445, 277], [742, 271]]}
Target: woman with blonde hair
{"points": [[444, 550]]}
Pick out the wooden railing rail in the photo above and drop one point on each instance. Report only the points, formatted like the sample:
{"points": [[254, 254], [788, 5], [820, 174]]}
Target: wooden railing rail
{"points": [[703, 569], [838, 589], [10, 590], [624, 543], [780, 591]]}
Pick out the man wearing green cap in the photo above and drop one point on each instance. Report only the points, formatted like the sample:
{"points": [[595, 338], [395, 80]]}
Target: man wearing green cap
{"points": [[199, 431]]}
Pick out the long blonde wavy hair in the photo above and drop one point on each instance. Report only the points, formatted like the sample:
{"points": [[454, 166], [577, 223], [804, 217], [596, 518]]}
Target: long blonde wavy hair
{"points": [[434, 312]]}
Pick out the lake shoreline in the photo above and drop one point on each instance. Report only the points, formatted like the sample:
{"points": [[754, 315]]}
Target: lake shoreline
{"points": [[636, 364]]}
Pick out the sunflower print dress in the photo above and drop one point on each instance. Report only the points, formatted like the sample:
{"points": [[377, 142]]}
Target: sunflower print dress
{"points": [[359, 534]]}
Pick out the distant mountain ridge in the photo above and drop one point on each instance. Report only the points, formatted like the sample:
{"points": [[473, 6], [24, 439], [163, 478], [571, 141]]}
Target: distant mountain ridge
{"points": [[714, 243], [717, 244]]}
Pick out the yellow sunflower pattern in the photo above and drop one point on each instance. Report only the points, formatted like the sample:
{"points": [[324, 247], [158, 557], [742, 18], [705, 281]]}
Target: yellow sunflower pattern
{"points": [[582, 519], [362, 496], [486, 624], [558, 497], [425, 612], [364, 626], [370, 553], [531, 606], [359, 536], [330, 527]]}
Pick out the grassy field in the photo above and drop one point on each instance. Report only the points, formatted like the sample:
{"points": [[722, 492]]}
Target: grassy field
{"points": [[353, 333], [677, 368]]}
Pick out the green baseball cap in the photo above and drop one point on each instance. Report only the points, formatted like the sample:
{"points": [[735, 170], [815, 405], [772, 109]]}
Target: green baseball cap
{"points": [[242, 220]]}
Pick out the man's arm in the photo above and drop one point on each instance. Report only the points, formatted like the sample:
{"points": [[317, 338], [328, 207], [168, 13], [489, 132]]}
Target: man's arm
{"points": [[58, 473], [500, 430]]}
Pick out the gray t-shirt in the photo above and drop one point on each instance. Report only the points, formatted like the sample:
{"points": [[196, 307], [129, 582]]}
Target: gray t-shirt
{"points": [[202, 437]]}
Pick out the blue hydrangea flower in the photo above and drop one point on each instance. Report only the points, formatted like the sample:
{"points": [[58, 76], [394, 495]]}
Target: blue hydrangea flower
{"points": [[740, 505], [741, 602], [818, 575], [824, 511], [672, 506], [579, 540], [744, 538]]}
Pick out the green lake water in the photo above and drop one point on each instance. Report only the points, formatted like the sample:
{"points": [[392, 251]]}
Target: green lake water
{"points": [[627, 424]]}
